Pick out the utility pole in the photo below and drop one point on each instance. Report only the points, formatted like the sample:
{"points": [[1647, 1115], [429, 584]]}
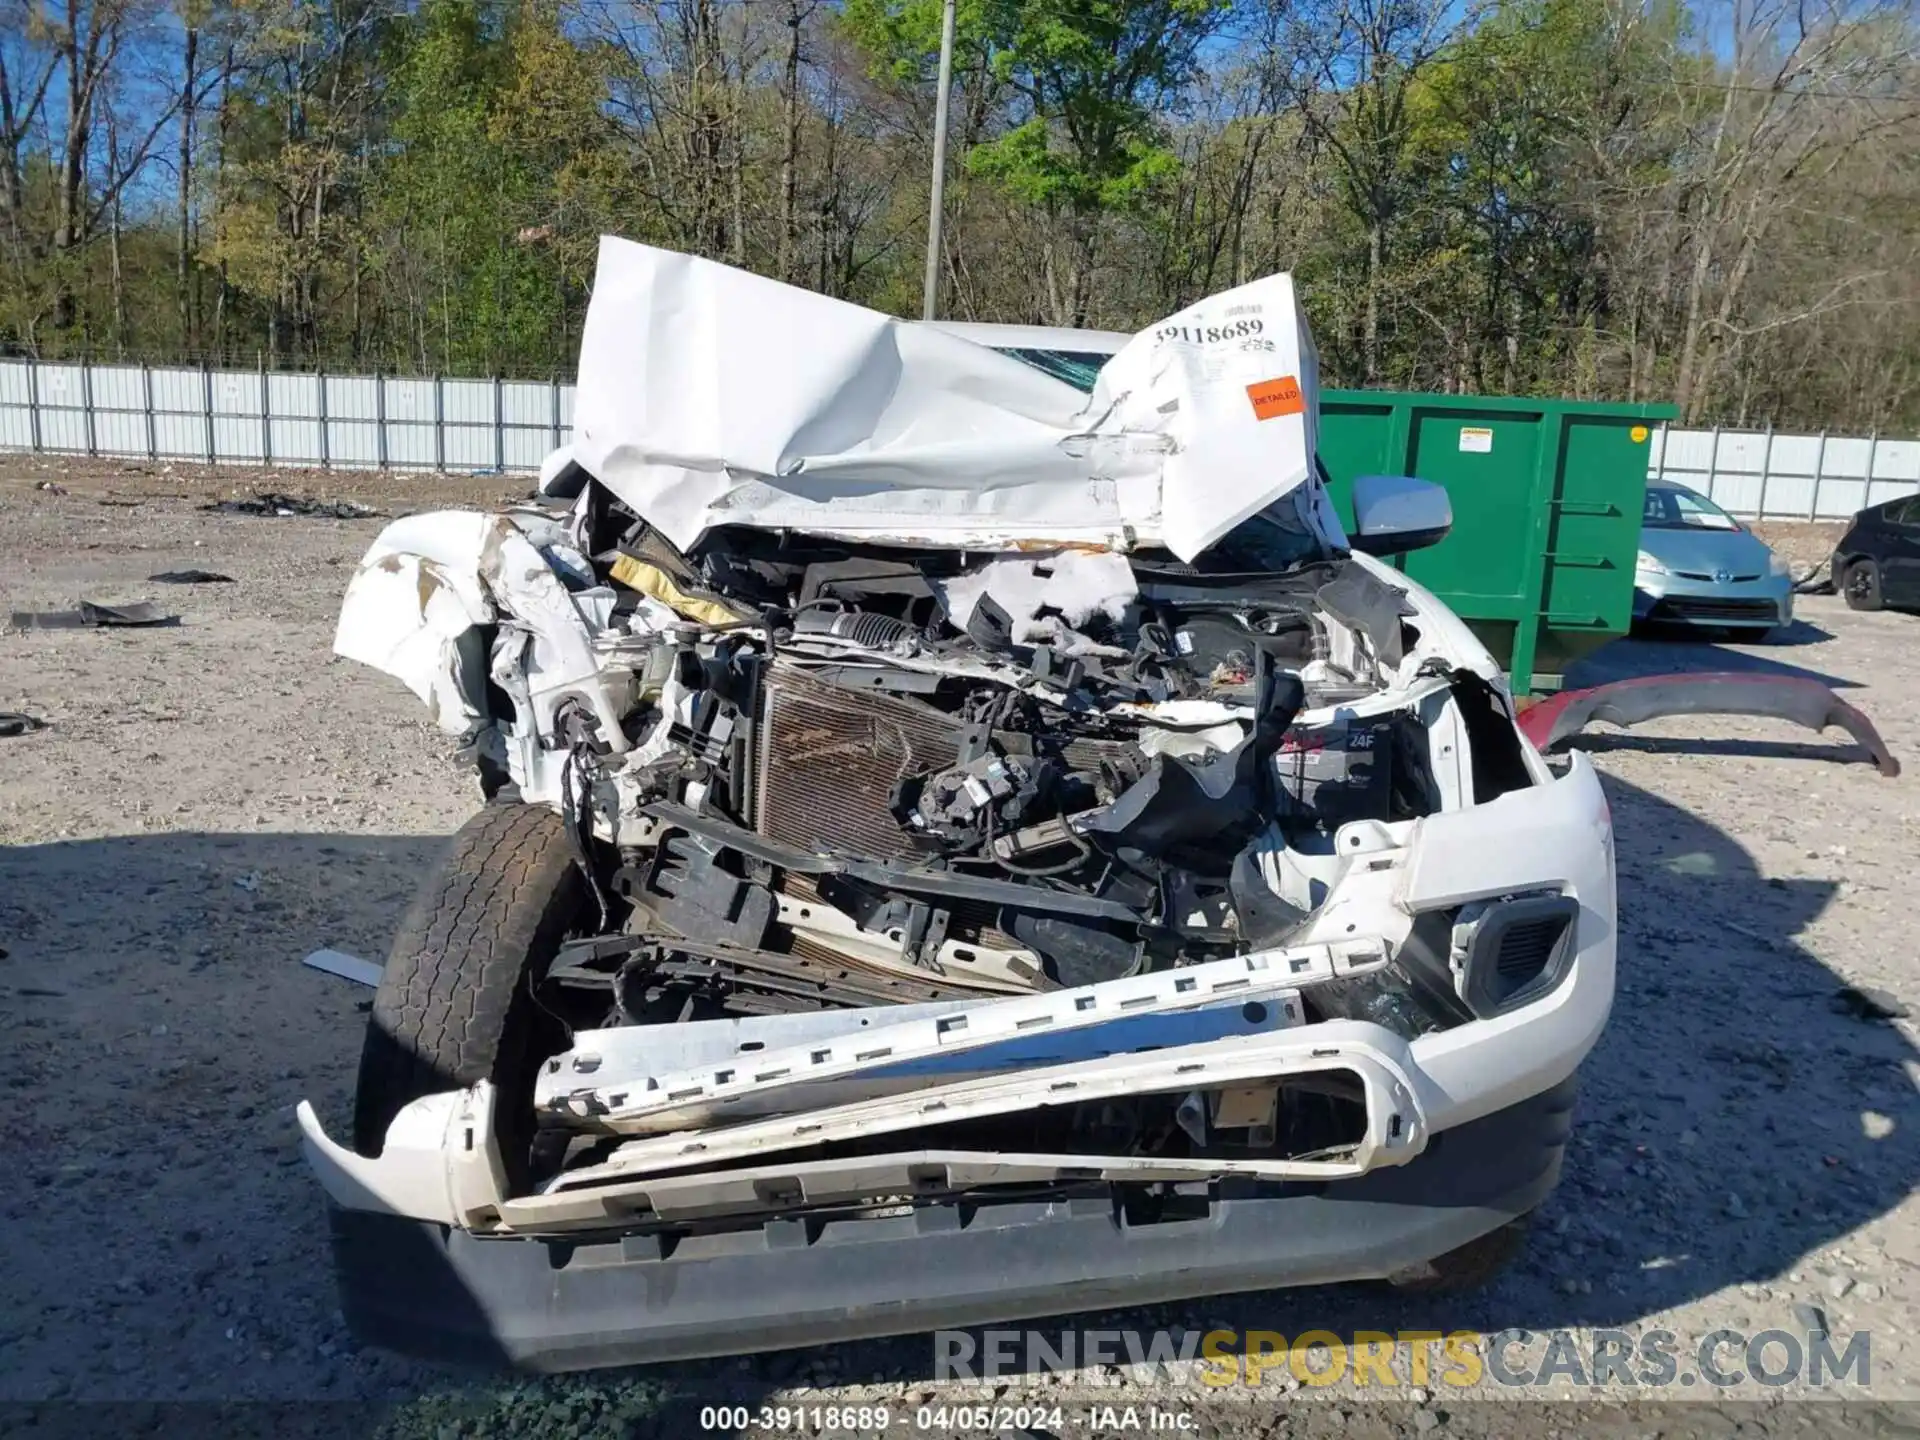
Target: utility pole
{"points": [[930, 298]]}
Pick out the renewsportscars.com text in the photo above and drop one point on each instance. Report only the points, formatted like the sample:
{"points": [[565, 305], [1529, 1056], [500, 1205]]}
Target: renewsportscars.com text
{"points": [[1654, 1358]]}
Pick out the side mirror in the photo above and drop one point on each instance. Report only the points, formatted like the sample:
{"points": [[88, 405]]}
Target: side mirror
{"points": [[1393, 514]]}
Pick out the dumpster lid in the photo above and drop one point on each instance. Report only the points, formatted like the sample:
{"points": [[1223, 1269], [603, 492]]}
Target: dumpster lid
{"points": [[709, 396]]}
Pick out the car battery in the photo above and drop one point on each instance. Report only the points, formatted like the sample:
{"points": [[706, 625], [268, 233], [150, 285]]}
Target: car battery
{"points": [[1335, 773]]}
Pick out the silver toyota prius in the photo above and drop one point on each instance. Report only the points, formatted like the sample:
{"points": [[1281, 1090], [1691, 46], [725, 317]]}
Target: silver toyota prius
{"points": [[1700, 566]]}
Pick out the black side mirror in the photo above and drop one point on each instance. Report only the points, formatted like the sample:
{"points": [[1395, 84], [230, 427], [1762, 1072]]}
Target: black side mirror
{"points": [[1394, 514]]}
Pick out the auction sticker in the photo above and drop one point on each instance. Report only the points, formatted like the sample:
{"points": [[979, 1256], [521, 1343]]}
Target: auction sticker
{"points": [[1276, 397]]}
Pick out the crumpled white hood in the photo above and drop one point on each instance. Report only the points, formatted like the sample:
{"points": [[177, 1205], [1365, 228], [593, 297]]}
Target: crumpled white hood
{"points": [[710, 396]]}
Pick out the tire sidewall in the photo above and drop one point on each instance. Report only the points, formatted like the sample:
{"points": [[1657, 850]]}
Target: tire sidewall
{"points": [[456, 1002], [1868, 595]]}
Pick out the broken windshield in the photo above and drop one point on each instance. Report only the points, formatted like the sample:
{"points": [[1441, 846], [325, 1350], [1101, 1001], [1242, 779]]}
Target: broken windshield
{"points": [[1078, 368]]}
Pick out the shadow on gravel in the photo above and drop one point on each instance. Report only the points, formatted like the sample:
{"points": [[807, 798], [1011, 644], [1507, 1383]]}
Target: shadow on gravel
{"points": [[1730, 1120], [1832, 749], [1679, 651]]}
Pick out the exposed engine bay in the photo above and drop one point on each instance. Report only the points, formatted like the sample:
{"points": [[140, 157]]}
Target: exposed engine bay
{"points": [[916, 860]]}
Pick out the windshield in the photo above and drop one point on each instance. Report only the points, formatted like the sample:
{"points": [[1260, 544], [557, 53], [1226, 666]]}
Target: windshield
{"points": [[1670, 509], [1077, 367]]}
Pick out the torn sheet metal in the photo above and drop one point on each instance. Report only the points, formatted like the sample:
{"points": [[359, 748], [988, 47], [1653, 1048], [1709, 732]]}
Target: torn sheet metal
{"points": [[709, 396]]}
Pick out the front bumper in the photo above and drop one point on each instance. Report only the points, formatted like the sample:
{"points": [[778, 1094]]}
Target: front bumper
{"points": [[555, 1305], [1478, 1118], [1679, 600]]}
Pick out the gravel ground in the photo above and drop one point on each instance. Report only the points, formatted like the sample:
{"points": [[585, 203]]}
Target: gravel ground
{"points": [[212, 801]]}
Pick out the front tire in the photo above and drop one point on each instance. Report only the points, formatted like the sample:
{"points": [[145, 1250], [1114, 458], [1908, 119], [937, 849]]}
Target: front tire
{"points": [[1861, 586], [456, 1005]]}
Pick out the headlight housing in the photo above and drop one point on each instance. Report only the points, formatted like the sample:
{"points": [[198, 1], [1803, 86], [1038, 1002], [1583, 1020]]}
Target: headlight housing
{"points": [[1647, 564], [1778, 564]]}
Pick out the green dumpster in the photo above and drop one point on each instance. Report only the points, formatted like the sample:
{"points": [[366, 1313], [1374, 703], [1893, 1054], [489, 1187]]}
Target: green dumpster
{"points": [[1547, 498]]}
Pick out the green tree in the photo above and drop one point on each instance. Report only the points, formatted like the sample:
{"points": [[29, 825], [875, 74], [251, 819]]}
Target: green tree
{"points": [[1093, 85]]}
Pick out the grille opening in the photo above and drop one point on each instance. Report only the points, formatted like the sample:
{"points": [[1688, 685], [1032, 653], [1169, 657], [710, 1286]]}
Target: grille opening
{"points": [[1686, 607], [1526, 948], [1515, 951]]}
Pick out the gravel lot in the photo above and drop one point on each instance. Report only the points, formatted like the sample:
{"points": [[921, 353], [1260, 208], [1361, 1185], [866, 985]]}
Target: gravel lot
{"points": [[212, 801]]}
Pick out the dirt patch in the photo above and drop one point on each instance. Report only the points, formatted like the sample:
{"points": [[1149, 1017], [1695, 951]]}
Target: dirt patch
{"points": [[1806, 544], [210, 802], [127, 484]]}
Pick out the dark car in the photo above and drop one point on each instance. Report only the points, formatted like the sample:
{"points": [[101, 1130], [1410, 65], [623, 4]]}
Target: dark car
{"points": [[1877, 562]]}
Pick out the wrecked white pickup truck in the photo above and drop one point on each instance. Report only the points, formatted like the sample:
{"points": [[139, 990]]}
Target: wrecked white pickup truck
{"points": [[957, 849]]}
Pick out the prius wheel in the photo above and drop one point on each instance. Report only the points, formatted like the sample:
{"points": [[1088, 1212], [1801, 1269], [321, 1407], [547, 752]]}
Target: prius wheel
{"points": [[459, 1002], [1467, 1267], [1861, 586]]}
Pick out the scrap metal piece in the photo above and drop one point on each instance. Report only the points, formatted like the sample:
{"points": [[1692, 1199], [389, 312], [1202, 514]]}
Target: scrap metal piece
{"points": [[191, 577], [1627, 703], [92, 614]]}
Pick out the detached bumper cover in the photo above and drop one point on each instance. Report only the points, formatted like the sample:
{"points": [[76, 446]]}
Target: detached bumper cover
{"points": [[1627, 703], [555, 1305]]}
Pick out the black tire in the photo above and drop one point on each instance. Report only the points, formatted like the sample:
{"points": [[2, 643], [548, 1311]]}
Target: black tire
{"points": [[1860, 585], [1470, 1267], [455, 1005]]}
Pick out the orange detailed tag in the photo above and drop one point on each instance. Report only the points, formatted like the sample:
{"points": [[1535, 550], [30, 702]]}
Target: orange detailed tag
{"points": [[1272, 398]]}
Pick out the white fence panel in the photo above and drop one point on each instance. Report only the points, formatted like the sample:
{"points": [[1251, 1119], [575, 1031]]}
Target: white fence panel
{"points": [[470, 424], [119, 410], [1897, 460], [16, 412], [1758, 474]]}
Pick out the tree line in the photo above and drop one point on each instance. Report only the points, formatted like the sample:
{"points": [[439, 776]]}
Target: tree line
{"points": [[1713, 204]]}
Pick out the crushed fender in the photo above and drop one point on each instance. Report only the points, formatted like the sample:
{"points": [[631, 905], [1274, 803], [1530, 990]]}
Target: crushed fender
{"points": [[1627, 703]]}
